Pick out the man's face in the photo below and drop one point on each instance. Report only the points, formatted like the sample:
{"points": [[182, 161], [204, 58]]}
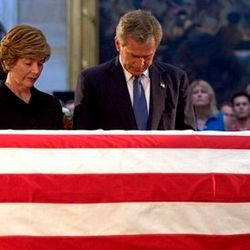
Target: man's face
{"points": [[136, 56], [241, 107], [228, 113]]}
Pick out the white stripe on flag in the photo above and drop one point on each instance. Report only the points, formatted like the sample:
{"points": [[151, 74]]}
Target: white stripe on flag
{"points": [[123, 160], [124, 132], [124, 219]]}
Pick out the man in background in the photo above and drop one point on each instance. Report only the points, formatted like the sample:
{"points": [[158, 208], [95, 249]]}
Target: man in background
{"points": [[241, 106]]}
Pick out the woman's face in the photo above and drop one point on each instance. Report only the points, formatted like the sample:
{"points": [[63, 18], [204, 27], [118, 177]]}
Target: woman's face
{"points": [[200, 96], [25, 72]]}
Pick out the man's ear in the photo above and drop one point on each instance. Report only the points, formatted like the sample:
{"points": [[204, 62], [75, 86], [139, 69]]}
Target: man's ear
{"points": [[117, 44]]}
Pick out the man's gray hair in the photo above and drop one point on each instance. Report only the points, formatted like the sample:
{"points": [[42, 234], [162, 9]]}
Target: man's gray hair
{"points": [[140, 25]]}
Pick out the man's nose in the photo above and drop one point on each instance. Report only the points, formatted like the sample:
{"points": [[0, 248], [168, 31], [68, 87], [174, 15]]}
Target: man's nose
{"points": [[140, 61]]}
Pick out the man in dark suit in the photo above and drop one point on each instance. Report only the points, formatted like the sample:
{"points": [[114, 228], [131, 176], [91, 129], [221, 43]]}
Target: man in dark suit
{"points": [[105, 94]]}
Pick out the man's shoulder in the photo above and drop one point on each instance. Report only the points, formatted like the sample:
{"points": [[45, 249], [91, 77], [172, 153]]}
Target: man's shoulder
{"points": [[100, 68], [163, 67]]}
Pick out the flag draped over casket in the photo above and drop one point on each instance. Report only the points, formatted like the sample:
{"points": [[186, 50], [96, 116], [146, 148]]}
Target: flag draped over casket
{"points": [[124, 190]]}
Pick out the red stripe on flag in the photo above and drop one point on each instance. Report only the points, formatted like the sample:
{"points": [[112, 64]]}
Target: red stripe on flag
{"points": [[134, 242], [124, 141], [94, 188]]}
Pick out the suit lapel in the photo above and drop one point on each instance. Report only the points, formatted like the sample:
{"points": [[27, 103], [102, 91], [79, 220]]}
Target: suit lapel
{"points": [[157, 97], [120, 95]]}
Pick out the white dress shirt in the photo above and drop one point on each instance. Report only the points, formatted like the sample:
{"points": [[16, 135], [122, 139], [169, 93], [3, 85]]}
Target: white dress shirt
{"points": [[144, 80]]}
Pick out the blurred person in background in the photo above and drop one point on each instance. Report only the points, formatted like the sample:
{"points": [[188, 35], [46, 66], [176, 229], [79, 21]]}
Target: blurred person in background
{"points": [[3, 74], [207, 116], [241, 106], [227, 110], [248, 89]]}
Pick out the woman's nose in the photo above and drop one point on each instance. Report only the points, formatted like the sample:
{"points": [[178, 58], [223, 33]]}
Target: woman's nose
{"points": [[35, 68]]}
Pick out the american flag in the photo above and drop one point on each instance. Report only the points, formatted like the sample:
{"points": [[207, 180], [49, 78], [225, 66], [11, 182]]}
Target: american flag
{"points": [[128, 190]]}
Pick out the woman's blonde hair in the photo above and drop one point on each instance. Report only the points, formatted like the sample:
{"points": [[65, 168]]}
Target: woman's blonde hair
{"points": [[212, 99], [23, 41]]}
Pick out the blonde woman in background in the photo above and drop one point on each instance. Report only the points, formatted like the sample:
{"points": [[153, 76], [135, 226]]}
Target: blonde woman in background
{"points": [[207, 116]]}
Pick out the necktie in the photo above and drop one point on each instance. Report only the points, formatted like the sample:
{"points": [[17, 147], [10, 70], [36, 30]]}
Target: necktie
{"points": [[139, 104]]}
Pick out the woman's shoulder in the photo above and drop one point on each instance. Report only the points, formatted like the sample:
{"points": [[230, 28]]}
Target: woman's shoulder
{"points": [[216, 122], [46, 101], [43, 96]]}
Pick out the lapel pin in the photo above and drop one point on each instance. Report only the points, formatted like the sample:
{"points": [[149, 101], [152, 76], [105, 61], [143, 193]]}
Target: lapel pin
{"points": [[163, 85]]}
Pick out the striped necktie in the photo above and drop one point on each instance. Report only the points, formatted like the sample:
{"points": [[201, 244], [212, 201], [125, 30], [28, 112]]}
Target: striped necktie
{"points": [[139, 104]]}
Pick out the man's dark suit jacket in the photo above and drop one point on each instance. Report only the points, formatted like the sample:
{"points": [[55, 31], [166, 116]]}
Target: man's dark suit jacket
{"points": [[102, 99]]}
